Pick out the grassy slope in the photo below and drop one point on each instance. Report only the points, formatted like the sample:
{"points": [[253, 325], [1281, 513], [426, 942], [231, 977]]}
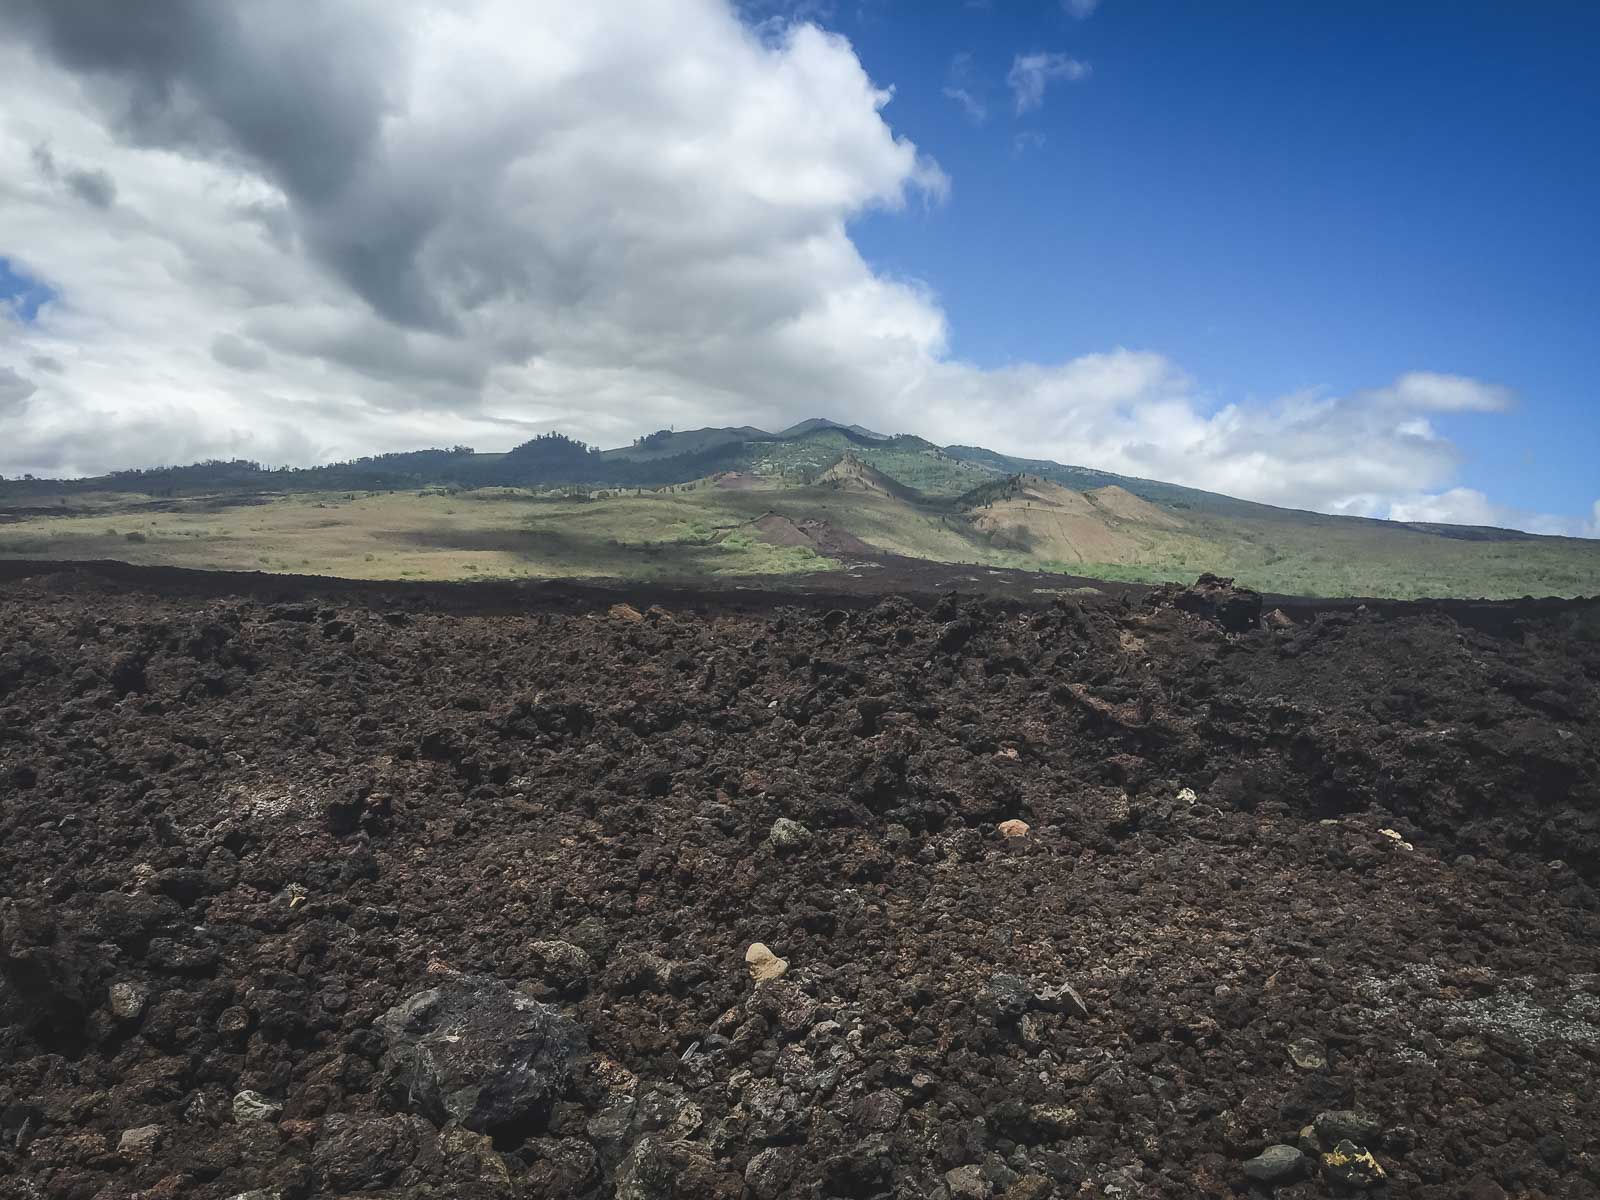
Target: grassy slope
{"points": [[406, 535], [692, 529], [695, 530]]}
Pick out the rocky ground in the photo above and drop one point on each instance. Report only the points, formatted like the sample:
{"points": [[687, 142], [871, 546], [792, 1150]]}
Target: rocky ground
{"points": [[349, 891]]}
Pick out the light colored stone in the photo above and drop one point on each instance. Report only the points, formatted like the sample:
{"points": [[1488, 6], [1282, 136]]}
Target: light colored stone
{"points": [[764, 965], [1062, 998], [562, 965], [788, 835], [139, 1145], [1394, 836], [1187, 796], [626, 612], [128, 1000], [1014, 829], [253, 1106], [1056, 1120], [1308, 1055], [966, 1183]]}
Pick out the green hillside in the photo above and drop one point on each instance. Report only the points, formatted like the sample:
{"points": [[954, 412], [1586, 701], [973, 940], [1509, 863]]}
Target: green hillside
{"points": [[738, 501]]}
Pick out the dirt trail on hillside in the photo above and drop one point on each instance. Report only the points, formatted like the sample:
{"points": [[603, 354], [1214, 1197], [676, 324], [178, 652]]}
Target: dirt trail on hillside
{"points": [[346, 889]]}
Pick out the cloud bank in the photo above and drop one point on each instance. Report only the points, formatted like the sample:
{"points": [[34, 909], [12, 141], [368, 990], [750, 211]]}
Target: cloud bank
{"points": [[362, 227]]}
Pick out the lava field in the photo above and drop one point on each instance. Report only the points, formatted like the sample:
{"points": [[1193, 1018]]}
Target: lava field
{"points": [[324, 890]]}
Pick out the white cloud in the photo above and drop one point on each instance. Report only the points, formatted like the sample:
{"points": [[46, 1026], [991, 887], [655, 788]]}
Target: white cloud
{"points": [[1137, 413], [495, 218], [1079, 9], [976, 110], [466, 228], [1428, 391], [1457, 506], [1466, 506], [962, 86], [1030, 74]]}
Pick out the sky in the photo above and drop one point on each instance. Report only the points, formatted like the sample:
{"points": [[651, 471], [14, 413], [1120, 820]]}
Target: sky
{"points": [[1333, 256]]}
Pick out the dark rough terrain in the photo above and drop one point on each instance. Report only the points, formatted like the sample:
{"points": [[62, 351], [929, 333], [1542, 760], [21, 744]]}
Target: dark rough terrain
{"points": [[359, 891]]}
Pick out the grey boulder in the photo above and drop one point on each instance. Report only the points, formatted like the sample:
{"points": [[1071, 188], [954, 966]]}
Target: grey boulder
{"points": [[1276, 1165], [475, 1051]]}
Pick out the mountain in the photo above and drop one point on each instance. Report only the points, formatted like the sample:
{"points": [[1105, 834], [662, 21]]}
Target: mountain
{"points": [[666, 444], [814, 424], [853, 474], [737, 499]]}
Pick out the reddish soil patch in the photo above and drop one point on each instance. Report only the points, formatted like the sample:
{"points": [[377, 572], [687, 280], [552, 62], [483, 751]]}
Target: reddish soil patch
{"points": [[825, 539], [241, 821]]}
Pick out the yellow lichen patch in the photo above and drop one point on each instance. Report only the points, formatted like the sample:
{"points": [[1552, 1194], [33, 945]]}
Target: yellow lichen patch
{"points": [[1348, 1160]]}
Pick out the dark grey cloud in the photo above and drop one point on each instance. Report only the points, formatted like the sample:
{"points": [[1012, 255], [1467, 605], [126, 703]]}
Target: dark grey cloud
{"points": [[233, 351], [46, 362], [439, 368], [92, 186], [301, 90], [298, 91], [14, 390]]}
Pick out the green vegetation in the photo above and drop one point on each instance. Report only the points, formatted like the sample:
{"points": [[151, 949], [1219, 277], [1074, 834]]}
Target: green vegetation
{"points": [[486, 535], [685, 504]]}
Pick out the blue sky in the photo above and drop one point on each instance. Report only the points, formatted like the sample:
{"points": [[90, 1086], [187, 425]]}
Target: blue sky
{"points": [[20, 294], [1276, 196], [1332, 256]]}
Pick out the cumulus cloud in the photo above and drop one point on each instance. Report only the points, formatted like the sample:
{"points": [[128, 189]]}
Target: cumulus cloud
{"points": [[1030, 74], [1138, 413], [1457, 506], [352, 226], [1467, 506]]}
